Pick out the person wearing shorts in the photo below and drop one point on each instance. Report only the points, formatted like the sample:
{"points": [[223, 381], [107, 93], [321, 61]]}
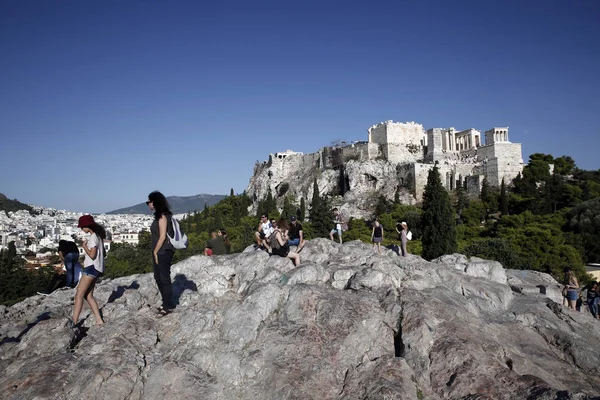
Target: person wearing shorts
{"points": [[377, 235], [93, 268], [572, 286], [337, 228]]}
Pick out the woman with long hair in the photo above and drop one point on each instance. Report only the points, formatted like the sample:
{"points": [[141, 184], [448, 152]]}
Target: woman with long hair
{"points": [[572, 287], [402, 236], [93, 247], [162, 250], [377, 235], [279, 242]]}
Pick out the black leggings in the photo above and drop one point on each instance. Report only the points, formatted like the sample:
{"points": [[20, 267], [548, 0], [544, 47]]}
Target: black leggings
{"points": [[162, 276]]}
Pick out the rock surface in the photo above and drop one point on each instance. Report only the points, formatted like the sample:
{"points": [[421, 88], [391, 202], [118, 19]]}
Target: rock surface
{"points": [[345, 324]]}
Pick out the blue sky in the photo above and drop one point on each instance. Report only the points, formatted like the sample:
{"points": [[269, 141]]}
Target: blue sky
{"points": [[102, 102]]}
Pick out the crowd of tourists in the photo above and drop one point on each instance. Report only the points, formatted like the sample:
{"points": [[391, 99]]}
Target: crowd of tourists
{"points": [[280, 238]]}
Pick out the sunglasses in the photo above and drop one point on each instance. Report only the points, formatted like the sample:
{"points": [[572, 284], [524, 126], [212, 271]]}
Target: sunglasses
{"points": [[148, 202]]}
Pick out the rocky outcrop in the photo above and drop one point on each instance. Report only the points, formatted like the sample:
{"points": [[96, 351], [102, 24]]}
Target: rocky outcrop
{"points": [[345, 324], [364, 182]]}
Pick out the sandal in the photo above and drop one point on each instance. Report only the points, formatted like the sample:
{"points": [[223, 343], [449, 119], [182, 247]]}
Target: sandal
{"points": [[163, 313]]}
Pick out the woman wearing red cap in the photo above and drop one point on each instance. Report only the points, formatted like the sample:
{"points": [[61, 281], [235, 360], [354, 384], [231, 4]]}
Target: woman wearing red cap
{"points": [[93, 267]]}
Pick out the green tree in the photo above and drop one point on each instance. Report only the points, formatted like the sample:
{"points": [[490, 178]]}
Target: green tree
{"points": [[302, 211], [437, 220], [503, 199], [289, 209], [320, 215], [462, 200]]}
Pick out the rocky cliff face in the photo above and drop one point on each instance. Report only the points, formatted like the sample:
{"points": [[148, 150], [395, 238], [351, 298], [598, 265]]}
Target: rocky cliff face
{"points": [[345, 324], [364, 182]]}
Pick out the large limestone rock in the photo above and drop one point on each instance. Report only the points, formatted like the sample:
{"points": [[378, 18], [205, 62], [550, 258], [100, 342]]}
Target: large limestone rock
{"points": [[366, 180], [345, 324]]}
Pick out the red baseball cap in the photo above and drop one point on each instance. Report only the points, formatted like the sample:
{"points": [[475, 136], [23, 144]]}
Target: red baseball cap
{"points": [[85, 221]]}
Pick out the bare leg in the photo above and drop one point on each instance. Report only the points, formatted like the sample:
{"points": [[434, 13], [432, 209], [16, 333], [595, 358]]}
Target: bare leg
{"points": [[379, 248], [340, 236], [93, 304], [295, 257], [302, 243], [331, 236], [84, 285], [572, 304], [257, 236]]}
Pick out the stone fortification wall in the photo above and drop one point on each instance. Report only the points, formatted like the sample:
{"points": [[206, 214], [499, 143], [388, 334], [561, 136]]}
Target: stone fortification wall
{"points": [[434, 145], [501, 160], [399, 142]]}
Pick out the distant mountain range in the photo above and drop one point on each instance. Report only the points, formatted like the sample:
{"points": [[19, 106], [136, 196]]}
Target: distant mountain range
{"points": [[179, 204]]}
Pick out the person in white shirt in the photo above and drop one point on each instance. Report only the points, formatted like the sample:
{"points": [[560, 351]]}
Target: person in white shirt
{"points": [[93, 267], [265, 229]]}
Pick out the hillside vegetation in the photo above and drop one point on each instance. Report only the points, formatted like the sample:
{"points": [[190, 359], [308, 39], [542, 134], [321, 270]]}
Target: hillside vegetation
{"points": [[545, 220]]}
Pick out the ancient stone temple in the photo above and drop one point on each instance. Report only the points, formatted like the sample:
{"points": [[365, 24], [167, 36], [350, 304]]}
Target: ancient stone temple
{"points": [[396, 157]]}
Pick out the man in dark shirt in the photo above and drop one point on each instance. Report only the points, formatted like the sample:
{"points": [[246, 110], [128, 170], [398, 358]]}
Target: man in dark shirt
{"points": [[69, 254], [217, 244], [295, 235]]}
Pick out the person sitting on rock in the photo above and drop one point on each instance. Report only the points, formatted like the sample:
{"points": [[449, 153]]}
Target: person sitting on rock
{"points": [[265, 229], [296, 236], [217, 244], [279, 243]]}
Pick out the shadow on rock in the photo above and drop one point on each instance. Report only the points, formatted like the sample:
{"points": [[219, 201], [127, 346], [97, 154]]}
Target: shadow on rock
{"points": [[40, 318], [180, 284], [119, 291]]}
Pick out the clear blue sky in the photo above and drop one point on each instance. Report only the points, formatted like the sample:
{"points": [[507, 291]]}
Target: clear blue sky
{"points": [[102, 102]]}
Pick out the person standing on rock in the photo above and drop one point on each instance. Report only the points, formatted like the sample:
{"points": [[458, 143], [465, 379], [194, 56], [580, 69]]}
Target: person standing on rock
{"points": [[162, 250], [572, 287], [337, 228], [592, 299], [377, 235], [69, 254], [93, 268], [402, 232]]}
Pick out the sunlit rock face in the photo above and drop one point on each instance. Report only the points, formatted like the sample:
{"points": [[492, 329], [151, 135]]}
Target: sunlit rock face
{"points": [[345, 324]]}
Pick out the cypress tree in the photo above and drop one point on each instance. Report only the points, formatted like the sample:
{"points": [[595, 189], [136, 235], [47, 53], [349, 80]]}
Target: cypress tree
{"points": [[270, 205], [462, 201], [319, 213], [439, 230], [485, 194], [288, 208], [302, 211], [503, 199]]}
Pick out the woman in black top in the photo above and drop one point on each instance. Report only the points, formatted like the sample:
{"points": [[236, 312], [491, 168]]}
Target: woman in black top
{"points": [[377, 235], [162, 251]]}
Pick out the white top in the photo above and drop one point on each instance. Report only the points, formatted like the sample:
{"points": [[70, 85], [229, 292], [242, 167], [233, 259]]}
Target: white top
{"points": [[98, 262], [267, 228]]}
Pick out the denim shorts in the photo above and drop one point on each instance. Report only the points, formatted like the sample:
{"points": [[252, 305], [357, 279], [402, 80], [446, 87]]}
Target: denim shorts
{"points": [[338, 231], [294, 242], [91, 271], [572, 294]]}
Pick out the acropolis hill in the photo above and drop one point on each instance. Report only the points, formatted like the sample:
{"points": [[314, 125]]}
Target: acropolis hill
{"points": [[396, 157]]}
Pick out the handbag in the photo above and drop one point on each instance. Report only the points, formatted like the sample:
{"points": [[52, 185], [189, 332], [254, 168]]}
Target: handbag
{"points": [[565, 291]]}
